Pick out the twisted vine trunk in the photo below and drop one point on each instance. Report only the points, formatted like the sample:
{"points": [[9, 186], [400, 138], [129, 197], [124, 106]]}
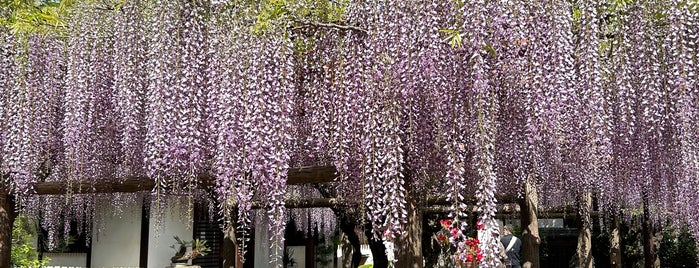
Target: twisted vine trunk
{"points": [[615, 244], [378, 249], [7, 218], [530, 225], [583, 253], [346, 251], [409, 247], [649, 254], [347, 227]]}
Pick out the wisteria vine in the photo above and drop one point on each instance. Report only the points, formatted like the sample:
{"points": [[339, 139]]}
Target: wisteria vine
{"points": [[407, 99]]}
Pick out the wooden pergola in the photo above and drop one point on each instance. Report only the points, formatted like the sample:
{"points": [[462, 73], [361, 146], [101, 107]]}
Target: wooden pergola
{"points": [[302, 175]]}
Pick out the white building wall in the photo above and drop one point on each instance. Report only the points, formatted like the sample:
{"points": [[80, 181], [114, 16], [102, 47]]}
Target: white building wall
{"points": [[174, 223], [298, 254], [550, 223], [261, 242], [66, 260], [116, 238]]}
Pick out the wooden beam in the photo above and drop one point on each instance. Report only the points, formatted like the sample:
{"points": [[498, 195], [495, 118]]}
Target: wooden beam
{"points": [[316, 174], [127, 185], [432, 205], [308, 24], [442, 200], [304, 203], [502, 209]]}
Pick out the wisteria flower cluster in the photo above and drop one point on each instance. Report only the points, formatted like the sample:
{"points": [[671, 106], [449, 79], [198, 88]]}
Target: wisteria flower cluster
{"points": [[464, 100]]}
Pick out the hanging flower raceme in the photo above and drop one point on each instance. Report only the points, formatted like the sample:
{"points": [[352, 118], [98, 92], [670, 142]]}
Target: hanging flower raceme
{"points": [[253, 111], [7, 67], [161, 99], [233, 168], [90, 146], [31, 100], [129, 87], [484, 162], [682, 47]]}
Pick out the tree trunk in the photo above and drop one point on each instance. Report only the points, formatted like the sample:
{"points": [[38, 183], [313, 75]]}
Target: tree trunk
{"points": [[409, 247], [7, 218], [230, 255], [649, 254], [347, 227], [346, 251], [378, 249], [530, 225], [583, 253], [615, 244]]}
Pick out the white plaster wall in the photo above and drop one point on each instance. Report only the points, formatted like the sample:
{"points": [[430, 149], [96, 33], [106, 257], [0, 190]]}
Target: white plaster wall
{"points": [[550, 223], [174, 223], [116, 239], [66, 259], [299, 256], [261, 242], [366, 251]]}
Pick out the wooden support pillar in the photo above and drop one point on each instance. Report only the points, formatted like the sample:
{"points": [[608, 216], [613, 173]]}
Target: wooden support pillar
{"points": [[530, 225], [310, 253], [7, 219], [145, 236], [583, 253], [409, 246]]}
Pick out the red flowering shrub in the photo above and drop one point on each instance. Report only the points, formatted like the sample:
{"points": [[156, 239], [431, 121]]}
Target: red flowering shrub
{"points": [[460, 248]]}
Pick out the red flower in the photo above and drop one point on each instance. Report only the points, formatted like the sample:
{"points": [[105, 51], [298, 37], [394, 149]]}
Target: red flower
{"points": [[455, 232], [445, 223], [469, 258], [479, 256], [442, 238], [479, 225]]}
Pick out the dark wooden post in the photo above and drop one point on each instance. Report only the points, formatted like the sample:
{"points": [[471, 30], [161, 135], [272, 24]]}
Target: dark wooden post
{"points": [[530, 225], [7, 219]]}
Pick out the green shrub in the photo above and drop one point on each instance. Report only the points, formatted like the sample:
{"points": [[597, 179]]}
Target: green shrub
{"points": [[678, 248], [23, 252]]}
